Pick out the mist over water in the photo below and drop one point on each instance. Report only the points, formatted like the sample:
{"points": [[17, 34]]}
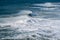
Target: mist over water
{"points": [[37, 21]]}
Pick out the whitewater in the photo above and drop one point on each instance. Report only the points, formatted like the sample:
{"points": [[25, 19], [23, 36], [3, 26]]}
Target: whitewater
{"points": [[41, 22]]}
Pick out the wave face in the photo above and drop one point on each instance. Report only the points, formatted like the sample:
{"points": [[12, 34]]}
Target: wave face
{"points": [[30, 22]]}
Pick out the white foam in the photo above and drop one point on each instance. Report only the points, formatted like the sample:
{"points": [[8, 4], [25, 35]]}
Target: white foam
{"points": [[28, 24], [46, 5]]}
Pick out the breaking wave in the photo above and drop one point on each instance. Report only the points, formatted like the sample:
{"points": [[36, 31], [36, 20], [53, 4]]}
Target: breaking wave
{"points": [[38, 23]]}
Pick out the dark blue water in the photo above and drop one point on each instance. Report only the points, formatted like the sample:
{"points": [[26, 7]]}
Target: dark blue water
{"points": [[13, 6]]}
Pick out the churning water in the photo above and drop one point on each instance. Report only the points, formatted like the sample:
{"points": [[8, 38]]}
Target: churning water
{"points": [[30, 21]]}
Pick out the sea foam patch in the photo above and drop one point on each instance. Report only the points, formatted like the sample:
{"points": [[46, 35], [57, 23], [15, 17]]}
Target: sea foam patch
{"points": [[35, 26], [47, 6]]}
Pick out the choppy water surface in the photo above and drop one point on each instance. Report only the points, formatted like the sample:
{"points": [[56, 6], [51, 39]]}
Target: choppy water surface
{"points": [[30, 21]]}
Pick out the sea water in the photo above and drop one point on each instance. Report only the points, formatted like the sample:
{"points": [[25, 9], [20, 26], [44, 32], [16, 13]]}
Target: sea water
{"points": [[36, 21]]}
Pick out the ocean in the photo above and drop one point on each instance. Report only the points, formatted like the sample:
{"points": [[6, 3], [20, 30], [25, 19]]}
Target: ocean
{"points": [[29, 21]]}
